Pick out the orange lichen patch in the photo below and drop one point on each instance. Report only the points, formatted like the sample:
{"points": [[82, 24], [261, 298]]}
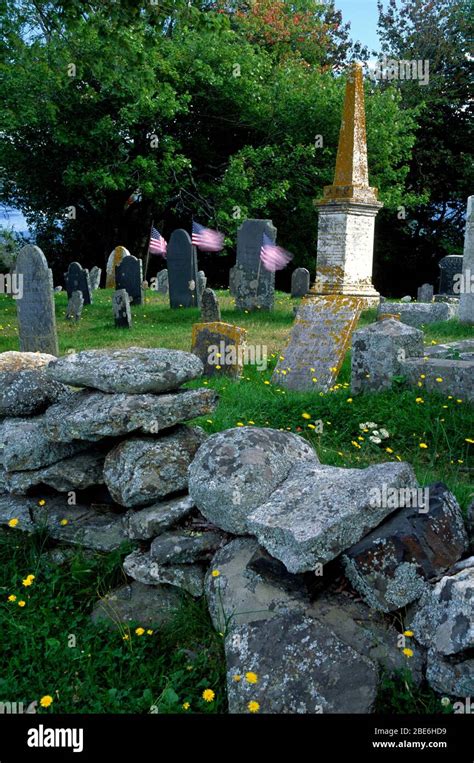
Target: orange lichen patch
{"points": [[114, 260], [222, 342], [388, 316]]}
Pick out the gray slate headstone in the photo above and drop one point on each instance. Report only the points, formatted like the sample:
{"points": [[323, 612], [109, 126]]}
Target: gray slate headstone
{"points": [[74, 306], [129, 276], [35, 308], [77, 279], [425, 293], [450, 267], [201, 283], [254, 285], [210, 310], [232, 289], [121, 307], [182, 270], [94, 277], [300, 282], [466, 304], [162, 282]]}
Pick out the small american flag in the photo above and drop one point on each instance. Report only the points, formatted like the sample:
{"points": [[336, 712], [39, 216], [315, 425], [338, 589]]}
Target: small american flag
{"points": [[157, 243], [207, 239], [273, 257]]}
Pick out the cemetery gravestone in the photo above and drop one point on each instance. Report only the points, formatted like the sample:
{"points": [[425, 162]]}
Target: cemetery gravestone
{"points": [[300, 282], [121, 308], [232, 281], [35, 307], [425, 293], [220, 348], [450, 267], [74, 306], [182, 270], [210, 310], [318, 343], [201, 282], [115, 258], [77, 279], [466, 304], [94, 277], [129, 276], [254, 285], [162, 282]]}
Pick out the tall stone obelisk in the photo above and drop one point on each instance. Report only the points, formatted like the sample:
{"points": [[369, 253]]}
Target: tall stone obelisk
{"points": [[348, 208]]}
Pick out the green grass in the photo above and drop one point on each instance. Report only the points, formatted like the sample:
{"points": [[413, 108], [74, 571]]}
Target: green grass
{"points": [[104, 672]]}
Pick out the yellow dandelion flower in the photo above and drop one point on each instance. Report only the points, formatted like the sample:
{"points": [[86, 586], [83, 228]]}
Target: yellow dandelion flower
{"points": [[314, 379], [459, 401], [419, 400], [236, 677], [409, 634], [470, 440], [389, 450], [333, 369], [12, 597], [266, 381], [215, 573], [239, 424], [13, 523], [422, 376], [420, 384], [349, 400], [208, 695], [423, 445], [407, 652], [126, 637], [186, 705], [251, 422], [46, 701], [253, 706], [340, 453], [149, 632], [208, 421], [64, 522], [21, 603], [139, 631], [439, 378], [28, 580], [306, 415], [252, 678], [41, 502], [218, 368]]}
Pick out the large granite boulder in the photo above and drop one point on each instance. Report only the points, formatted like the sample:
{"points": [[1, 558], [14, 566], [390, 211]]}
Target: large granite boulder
{"points": [[132, 369], [75, 473], [320, 511], [154, 520], [27, 393], [135, 603], [143, 470], [390, 566], [94, 415], [236, 470], [25, 445]]}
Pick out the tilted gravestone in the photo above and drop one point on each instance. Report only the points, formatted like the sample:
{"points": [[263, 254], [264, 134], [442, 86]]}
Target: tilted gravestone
{"points": [[220, 348], [129, 276], [466, 304], [121, 308], [162, 282], [115, 258], [182, 270], [74, 306], [94, 277], [77, 279], [318, 343], [210, 310], [300, 282], [35, 306], [425, 293], [254, 285], [450, 268]]}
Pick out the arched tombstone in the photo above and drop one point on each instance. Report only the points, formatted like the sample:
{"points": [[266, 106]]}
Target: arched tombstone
{"points": [[35, 304], [182, 270]]}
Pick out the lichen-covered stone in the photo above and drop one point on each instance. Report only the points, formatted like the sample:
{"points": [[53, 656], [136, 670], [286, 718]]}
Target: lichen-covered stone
{"points": [[219, 346], [154, 520], [28, 393], [444, 621], [185, 545], [456, 375], [450, 677], [24, 361], [320, 511], [419, 313], [141, 471], [135, 603], [238, 469], [93, 415], [75, 473], [210, 310], [302, 667], [378, 352], [130, 369], [26, 445], [140, 566], [390, 567]]}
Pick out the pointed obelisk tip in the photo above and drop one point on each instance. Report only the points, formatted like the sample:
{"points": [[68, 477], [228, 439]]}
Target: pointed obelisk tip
{"points": [[351, 176]]}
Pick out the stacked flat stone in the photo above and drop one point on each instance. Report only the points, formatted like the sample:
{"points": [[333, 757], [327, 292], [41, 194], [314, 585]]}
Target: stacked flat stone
{"points": [[93, 446]]}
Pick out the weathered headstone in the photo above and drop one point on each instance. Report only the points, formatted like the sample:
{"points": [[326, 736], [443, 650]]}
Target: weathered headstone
{"points": [[74, 306], [318, 343], [406, 299], [425, 293], [300, 282], [115, 258], [450, 269], [121, 308], [182, 270], [201, 282], [161, 282], [94, 277], [220, 348], [129, 276], [210, 310], [254, 285], [77, 279], [466, 304], [232, 290], [35, 306]]}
